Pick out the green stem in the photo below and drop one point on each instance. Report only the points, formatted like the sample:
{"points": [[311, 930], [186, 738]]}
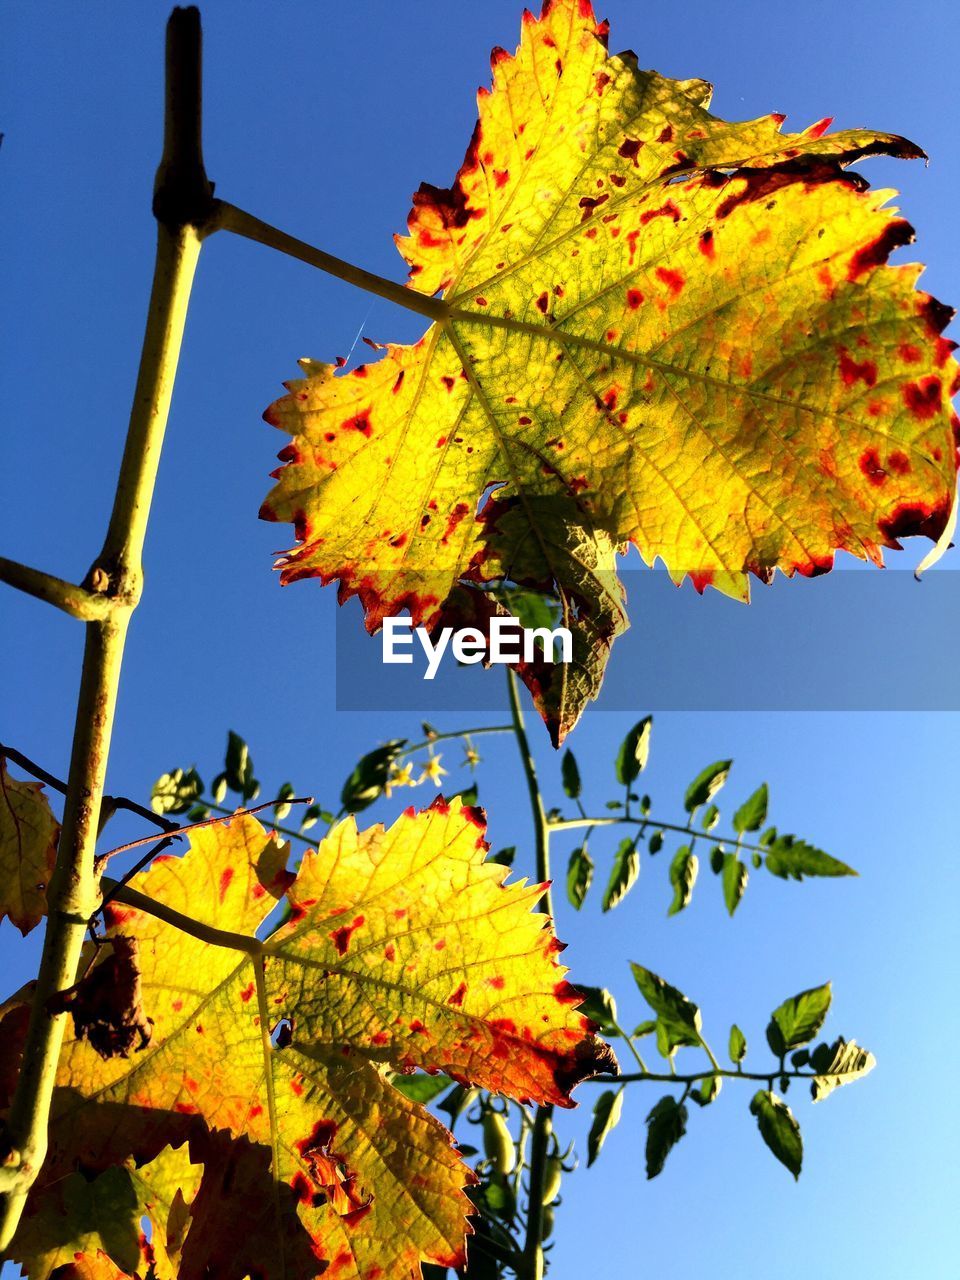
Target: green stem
{"points": [[454, 733], [678, 1077], [116, 579], [530, 1266], [74, 600], [573, 824], [230, 218], [631, 1046]]}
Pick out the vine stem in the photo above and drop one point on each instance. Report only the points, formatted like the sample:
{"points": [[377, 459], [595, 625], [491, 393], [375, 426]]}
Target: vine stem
{"points": [[574, 824], [182, 205], [530, 1266]]}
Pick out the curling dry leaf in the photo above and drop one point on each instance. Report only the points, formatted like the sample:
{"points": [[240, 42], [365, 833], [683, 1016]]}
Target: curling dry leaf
{"points": [[657, 328], [28, 850], [401, 948]]}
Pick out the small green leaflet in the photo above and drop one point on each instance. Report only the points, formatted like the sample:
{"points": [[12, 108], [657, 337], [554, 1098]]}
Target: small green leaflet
{"points": [[735, 877], [606, 1117], [797, 1020], [623, 874], [238, 768], [683, 876], [706, 785], [737, 1047], [666, 1125], [369, 777], [791, 858], [707, 1091], [570, 774], [579, 876], [420, 1087], [678, 1019], [779, 1129], [600, 1007], [752, 814], [176, 791], [656, 842], [634, 752]]}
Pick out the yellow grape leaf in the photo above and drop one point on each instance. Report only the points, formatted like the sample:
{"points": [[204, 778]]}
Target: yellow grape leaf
{"points": [[658, 327], [93, 1225], [28, 850], [401, 949]]}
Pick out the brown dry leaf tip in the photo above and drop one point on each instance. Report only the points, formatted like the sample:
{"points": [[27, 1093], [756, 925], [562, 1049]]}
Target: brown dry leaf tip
{"points": [[107, 1004]]}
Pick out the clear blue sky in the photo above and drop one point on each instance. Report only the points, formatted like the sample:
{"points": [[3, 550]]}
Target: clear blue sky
{"points": [[323, 120]]}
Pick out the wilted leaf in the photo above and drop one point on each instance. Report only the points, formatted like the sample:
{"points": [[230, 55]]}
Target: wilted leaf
{"points": [[28, 850], [107, 1003], [623, 874], [606, 1116], [175, 792], [657, 327], [779, 1129], [666, 1125], [752, 814], [797, 1020], [683, 876], [735, 877], [579, 876], [790, 858], [402, 948], [634, 752], [841, 1063]]}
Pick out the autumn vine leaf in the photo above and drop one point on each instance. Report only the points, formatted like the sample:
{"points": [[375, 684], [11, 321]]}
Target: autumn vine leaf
{"points": [[657, 328], [28, 850], [401, 948]]}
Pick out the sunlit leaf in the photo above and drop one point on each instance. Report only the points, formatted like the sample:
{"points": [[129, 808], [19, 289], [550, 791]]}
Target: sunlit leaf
{"points": [[735, 877], [634, 752], [706, 785], [678, 1019], [738, 1045], [403, 949], [779, 1129], [683, 876], [28, 849], [579, 876], [623, 874], [841, 1063], [661, 328], [790, 858], [752, 814], [797, 1020], [606, 1116]]}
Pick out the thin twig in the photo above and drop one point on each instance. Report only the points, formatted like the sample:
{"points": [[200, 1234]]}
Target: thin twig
{"points": [[204, 822], [78, 602]]}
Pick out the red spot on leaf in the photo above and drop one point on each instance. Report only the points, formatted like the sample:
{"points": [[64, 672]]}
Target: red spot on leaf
{"points": [[457, 997], [851, 371], [246, 995], [875, 254], [872, 467], [630, 149], [359, 422], [923, 398], [672, 279], [634, 299], [341, 937]]}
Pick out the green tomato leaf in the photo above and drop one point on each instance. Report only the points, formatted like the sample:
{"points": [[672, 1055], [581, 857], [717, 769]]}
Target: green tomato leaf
{"points": [[738, 1045], [752, 814], [666, 1125], [735, 877], [623, 874], [634, 752], [779, 1129], [790, 858], [606, 1116], [797, 1020], [683, 876], [579, 876], [706, 785], [600, 1006], [571, 775], [842, 1063]]}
